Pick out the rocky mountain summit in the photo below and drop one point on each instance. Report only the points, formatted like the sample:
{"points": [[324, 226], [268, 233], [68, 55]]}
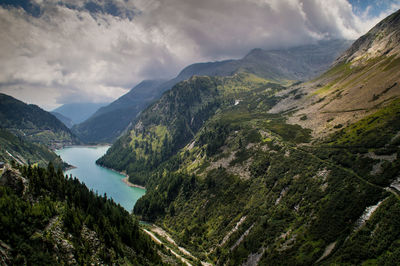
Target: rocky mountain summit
{"points": [[381, 40]]}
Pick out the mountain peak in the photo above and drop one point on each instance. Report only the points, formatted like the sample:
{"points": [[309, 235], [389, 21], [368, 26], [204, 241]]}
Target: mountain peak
{"points": [[383, 39]]}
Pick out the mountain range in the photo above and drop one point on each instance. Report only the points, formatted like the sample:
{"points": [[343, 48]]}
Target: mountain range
{"points": [[284, 157], [283, 66], [242, 170], [78, 112], [65, 120], [108, 122]]}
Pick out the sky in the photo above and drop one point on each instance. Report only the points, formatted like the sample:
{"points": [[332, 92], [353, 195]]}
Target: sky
{"points": [[54, 52]]}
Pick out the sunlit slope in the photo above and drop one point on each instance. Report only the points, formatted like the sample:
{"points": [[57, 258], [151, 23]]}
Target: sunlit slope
{"points": [[363, 80], [170, 123]]}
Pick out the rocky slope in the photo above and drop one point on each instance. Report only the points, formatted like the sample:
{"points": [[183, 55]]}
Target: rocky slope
{"points": [[381, 40], [363, 80]]}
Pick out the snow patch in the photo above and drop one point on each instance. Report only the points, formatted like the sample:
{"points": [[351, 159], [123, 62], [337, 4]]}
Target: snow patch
{"points": [[395, 137], [191, 145], [16, 159], [390, 158]]}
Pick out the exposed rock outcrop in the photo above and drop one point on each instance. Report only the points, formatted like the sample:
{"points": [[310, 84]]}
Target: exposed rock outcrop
{"points": [[12, 178]]}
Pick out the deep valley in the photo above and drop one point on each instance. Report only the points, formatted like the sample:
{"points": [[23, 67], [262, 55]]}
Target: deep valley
{"points": [[282, 157]]}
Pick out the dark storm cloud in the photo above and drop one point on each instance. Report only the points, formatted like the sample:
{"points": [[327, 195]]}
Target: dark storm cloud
{"points": [[96, 50]]}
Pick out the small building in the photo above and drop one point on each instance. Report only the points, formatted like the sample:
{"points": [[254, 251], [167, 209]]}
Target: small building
{"points": [[2, 164]]}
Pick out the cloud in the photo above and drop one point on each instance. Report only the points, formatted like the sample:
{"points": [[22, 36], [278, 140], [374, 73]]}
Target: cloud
{"points": [[79, 51]]}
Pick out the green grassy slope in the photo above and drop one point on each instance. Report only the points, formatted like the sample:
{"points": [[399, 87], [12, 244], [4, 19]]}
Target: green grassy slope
{"points": [[168, 125], [295, 198]]}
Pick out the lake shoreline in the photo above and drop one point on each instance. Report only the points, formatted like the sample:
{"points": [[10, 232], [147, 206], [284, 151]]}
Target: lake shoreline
{"points": [[97, 178], [129, 184], [69, 167], [125, 179]]}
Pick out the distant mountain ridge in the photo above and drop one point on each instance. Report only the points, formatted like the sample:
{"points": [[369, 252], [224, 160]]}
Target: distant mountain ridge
{"points": [[144, 91], [108, 122], [78, 112], [279, 66], [296, 63], [33, 123], [66, 120]]}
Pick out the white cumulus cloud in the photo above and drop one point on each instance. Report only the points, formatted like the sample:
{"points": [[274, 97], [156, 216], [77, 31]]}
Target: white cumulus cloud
{"points": [[79, 51]]}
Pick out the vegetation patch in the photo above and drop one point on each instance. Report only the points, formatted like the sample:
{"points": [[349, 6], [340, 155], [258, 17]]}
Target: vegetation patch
{"points": [[373, 131], [394, 63]]}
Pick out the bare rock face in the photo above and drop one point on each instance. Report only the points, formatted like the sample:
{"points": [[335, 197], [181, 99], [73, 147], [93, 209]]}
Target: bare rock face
{"points": [[5, 255], [364, 78], [12, 178], [63, 247], [383, 39]]}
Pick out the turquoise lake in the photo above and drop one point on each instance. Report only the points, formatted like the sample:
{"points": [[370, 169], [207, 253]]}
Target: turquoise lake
{"points": [[98, 178]]}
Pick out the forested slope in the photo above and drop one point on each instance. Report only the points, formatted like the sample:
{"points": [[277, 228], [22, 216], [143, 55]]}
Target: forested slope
{"points": [[48, 219], [17, 149], [33, 123], [169, 124], [270, 176]]}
